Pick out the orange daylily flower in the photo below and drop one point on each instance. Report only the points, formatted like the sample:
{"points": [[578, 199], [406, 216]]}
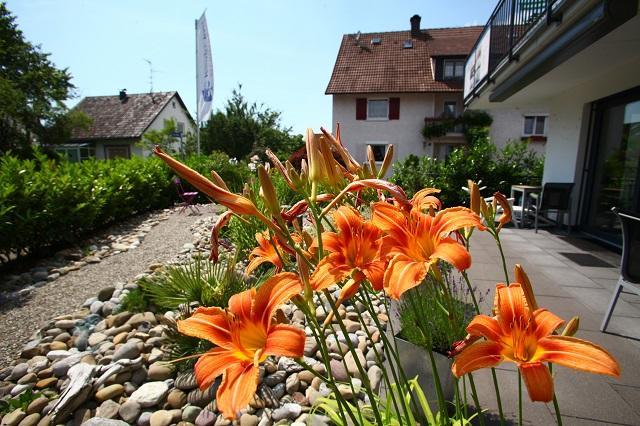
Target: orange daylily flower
{"points": [[523, 336], [416, 241], [424, 200], [269, 250], [500, 200], [353, 251], [245, 335], [221, 222], [237, 203]]}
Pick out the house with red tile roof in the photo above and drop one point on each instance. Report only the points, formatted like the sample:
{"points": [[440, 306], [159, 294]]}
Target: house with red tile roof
{"points": [[119, 122], [386, 85]]}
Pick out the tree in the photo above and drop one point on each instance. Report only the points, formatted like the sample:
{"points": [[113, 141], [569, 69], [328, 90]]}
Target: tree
{"points": [[32, 89], [245, 129]]}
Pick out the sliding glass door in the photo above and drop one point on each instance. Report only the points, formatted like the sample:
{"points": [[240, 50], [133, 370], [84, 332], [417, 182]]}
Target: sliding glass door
{"points": [[615, 162]]}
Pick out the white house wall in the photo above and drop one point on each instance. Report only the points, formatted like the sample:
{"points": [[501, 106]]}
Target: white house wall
{"points": [[173, 109], [405, 133], [508, 126]]}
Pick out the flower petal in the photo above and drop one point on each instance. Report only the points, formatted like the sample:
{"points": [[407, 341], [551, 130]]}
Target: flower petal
{"points": [[476, 356], [330, 270], [238, 385], [511, 306], [403, 274], [485, 326], [207, 323], [240, 303], [546, 322], [454, 218], [285, 340], [538, 379], [375, 274], [212, 364], [274, 292], [578, 354], [347, 219], [453, 252]]}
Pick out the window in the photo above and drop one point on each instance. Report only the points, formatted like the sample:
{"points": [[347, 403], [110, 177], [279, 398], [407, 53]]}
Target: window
{"points": [[379, 151], [450, 109], [535, 125], [378, 109], [453, 69], [408, 44], [180, 127], [117, 151]]}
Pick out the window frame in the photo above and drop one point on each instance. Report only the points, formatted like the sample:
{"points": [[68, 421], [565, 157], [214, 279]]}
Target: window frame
{"points": [[369, 118], [379, 143], [535, 117], [455, 62]]}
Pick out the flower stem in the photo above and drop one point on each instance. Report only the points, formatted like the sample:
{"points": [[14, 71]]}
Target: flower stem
{"points": [[519, 398], [556, 406]]}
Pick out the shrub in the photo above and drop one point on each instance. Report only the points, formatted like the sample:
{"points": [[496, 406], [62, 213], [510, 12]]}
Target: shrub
{"points": [[47, 203], [479, 160]]}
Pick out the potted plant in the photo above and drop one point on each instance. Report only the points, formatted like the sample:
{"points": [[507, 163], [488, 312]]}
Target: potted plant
{"points": [[431, 316]]}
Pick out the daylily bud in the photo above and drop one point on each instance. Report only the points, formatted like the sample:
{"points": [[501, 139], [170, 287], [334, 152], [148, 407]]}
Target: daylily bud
{"points": [[386, 163], [372, 160], [218, 180], [484, 209], [314, 157], [474, 197], [267, 191], [522, 278], [501, 200], [572, 327]]}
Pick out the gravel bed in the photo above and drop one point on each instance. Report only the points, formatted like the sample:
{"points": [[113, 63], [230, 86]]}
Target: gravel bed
{"points": [[21, 316]]}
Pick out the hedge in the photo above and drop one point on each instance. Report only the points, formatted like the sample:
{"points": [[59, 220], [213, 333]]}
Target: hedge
{"points": [[47, 203]]}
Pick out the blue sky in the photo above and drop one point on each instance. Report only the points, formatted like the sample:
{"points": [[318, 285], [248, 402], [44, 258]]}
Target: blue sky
{"points": [[281, 51]]}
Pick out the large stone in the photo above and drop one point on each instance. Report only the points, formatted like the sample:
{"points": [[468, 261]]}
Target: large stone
{"points": [[108, 409], [190, 413], [310, 346], [374, 374], [352, 366], [30, 420], [186, 381], [141, 318], [13, 418], [338, 371], [105, 294], [18, 371], [150, 394], [287, 411], [96, 338], [176, 398], [129, 350], [160, 418], [101, 421], [275, 378], [249, 420], [37, 405], [206, 418], [109, 392], [202, 397], [129, 411], [160, 371]]}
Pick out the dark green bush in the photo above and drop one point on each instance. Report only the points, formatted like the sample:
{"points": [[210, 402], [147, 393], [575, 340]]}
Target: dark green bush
{"points": [[479, 161], [47, 203]]}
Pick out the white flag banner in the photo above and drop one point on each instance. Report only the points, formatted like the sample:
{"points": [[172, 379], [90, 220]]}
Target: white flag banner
{"points": [[204, 69]]}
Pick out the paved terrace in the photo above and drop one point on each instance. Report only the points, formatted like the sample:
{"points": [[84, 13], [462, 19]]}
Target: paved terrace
{"points": [[567, 289]]}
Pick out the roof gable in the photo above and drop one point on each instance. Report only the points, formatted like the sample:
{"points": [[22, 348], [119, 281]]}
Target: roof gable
{"points": [[113, 118], [388, 67]]}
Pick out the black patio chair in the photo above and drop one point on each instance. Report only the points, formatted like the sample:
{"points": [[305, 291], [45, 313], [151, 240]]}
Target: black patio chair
{"points": [[630, 265], [554, 197]]}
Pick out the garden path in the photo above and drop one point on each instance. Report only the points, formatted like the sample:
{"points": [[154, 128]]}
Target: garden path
{"points": [[20, 317]]}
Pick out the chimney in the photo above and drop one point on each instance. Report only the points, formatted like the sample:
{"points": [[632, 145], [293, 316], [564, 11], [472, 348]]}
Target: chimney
{"points": [[123, 95], [415, 26]]}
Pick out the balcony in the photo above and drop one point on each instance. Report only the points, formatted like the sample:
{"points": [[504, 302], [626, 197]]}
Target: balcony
{"points": [[525, 39]]}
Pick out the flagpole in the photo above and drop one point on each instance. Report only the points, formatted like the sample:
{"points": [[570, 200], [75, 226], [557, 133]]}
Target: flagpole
{"points": [[197, 94]]}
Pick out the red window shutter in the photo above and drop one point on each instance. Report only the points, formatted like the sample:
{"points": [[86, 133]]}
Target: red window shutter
{"points": [[394, 108], [361, 108]]}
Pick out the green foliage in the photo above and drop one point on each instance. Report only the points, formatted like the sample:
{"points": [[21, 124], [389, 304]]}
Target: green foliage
{"points": [[479, 160], [32, 90], [430, 318], [413, 396], [21, 401], [134, 301], [163, 138], [245, 129], [47, 203], [199, 281], [471, 121]]}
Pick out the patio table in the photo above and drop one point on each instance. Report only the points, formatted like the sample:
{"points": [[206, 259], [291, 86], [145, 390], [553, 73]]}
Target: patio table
{"points": [[525, 190]]}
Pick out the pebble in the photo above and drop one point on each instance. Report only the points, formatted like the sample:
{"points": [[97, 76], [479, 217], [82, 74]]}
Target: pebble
{"points": [[37, 405], [13, 418], [161, 418], [109, 392], [275, 378], [186, 381], [287, 411], [176, 398], [129, 411], [206, 418], [190, 413], [160, 371], [102, 421], [129, 350], [150, 394], [30, 420], [249, 420], [108, 409], [18, 371], [96, 338]]}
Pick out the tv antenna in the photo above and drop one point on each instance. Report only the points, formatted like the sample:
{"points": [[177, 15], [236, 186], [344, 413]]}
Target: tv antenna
{"points": [[151, 72]]}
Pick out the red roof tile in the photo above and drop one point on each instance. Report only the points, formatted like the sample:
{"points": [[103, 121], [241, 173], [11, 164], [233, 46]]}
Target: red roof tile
{"points": [[115, 119], [362, 67]]}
